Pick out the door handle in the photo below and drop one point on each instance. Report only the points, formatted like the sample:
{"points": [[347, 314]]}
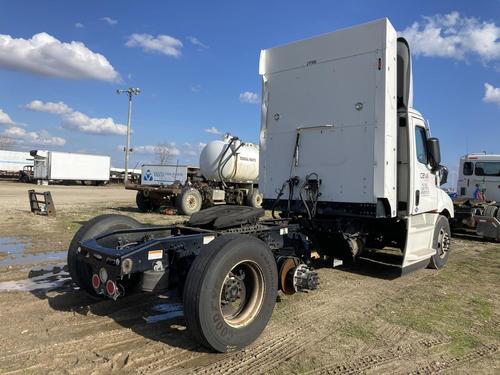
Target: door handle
{"points": [[417, 197]]}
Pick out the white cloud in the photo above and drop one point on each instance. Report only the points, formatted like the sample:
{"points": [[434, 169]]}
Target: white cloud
{"points": [[58, 108], [212, 130], [491, 94], [22, 136], [454, 36], [249, 97], [196, 88], [45, 55], [103, 126], [78, 121], [191, 150], [79, 25], [109, 20], [164, 44], [195, 41], [5, 118]]}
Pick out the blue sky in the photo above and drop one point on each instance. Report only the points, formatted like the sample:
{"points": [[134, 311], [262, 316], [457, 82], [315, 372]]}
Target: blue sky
{"points": [[193, 60]]}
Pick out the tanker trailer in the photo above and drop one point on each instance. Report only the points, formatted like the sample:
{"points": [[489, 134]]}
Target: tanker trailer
{"points": [[228, 174]]}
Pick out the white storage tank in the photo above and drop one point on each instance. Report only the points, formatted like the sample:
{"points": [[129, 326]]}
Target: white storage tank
{"points": [[236, 161]]}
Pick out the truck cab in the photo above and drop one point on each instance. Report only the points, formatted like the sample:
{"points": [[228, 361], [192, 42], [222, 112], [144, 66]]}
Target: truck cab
{"points": [[479, 170], [343, 149]]}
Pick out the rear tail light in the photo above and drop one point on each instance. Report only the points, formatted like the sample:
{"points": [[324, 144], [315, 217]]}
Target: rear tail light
{"points": [[96, 282], [110, 288]]}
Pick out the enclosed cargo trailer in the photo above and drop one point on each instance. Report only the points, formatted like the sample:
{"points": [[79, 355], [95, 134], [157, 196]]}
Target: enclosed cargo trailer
{"points": [[67, 166]]}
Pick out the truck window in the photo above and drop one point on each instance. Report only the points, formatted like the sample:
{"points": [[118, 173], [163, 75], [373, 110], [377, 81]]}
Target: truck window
{"points": [[488, 168], [468, 168], [421, 145]]}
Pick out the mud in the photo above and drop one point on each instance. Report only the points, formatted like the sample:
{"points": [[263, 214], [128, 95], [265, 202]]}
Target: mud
{"points": [[361, 320]]}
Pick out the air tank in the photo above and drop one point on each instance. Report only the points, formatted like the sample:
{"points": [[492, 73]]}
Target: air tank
{"points": [[231, 159]]}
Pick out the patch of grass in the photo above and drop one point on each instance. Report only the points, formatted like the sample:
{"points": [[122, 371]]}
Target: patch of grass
{"points": [[462, 343], [482, 307], [363, 331]]}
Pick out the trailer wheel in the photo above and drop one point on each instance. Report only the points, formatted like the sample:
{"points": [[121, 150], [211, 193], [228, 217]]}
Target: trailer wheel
{"points": [[143, 203], [254, 199], [80, 272], [230, 292], [442, 237], [188, 201]]}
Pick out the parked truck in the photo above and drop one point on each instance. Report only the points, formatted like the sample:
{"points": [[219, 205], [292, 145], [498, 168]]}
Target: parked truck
{"points": [[228, 174], [13, 162], [347, 167], [70, 167], [477, 205]]}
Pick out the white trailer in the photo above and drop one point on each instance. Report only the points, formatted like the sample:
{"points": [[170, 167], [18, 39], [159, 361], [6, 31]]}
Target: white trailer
{"points": [[477, 205], [12, 162], [66, 166]]}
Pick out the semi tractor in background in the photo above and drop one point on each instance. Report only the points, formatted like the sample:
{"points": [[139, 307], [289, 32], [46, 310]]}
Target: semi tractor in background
{"points": [[228, 174], [347, 166], [477, 204], [51, 166]]}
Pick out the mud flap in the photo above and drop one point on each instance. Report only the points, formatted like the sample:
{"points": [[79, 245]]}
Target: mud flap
{"points": [[419, 239]]}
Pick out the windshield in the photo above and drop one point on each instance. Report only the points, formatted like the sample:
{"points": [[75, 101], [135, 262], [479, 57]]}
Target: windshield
{"points": [[488, 168]]}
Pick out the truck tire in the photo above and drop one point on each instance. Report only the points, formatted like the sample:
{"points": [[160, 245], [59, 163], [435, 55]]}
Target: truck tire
{"points": [[442, 237], [490, 211], [188, 201], [81, 272], [143, 203], [254, 199], [230, 292]]}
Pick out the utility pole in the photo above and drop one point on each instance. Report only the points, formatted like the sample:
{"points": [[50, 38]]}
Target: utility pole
{"points": [[130, 91]]}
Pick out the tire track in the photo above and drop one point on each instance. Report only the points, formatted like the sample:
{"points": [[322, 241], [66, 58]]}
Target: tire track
{"points": [[371, 361], [442, 364]]}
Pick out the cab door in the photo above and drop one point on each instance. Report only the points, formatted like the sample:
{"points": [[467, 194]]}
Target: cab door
{"points": [[423, 189]]}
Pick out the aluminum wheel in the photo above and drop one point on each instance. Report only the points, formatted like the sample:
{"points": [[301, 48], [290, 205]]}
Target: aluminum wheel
{"points": [[242, 294]]}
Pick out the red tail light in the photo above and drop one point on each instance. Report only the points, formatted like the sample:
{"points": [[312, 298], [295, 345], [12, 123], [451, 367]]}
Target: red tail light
{"points": [[96, 282], [110, 288]]}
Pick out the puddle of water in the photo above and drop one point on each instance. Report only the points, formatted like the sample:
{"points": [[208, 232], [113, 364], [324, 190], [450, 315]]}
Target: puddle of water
{"points": [[45, 282], [14, 248], [168, 311]]}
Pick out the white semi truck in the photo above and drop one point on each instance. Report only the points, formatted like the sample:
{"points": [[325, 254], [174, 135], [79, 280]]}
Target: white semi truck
{"points": [[345, 161], [477, 205], [70, 167], [228, 174]]}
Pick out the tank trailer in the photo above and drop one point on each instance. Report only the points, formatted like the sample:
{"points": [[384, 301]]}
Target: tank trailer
{"points": [[347, 167], [228, 174]]}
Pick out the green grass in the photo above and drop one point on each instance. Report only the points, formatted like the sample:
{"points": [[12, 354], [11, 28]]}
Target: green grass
{"points": [[361, 331]]}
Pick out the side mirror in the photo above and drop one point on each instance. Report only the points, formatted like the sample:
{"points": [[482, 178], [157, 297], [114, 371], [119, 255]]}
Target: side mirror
{"points": [[443, 175], [434, 152]]}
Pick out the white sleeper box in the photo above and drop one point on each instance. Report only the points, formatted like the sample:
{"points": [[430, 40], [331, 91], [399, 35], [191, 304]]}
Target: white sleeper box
{"points": [[339, 89]]}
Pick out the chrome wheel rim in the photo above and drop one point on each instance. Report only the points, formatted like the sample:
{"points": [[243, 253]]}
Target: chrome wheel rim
{"points": [[242, 294]]}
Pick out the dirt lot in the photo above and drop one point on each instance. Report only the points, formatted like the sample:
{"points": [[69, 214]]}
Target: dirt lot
{"points": [[360, 321]]}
